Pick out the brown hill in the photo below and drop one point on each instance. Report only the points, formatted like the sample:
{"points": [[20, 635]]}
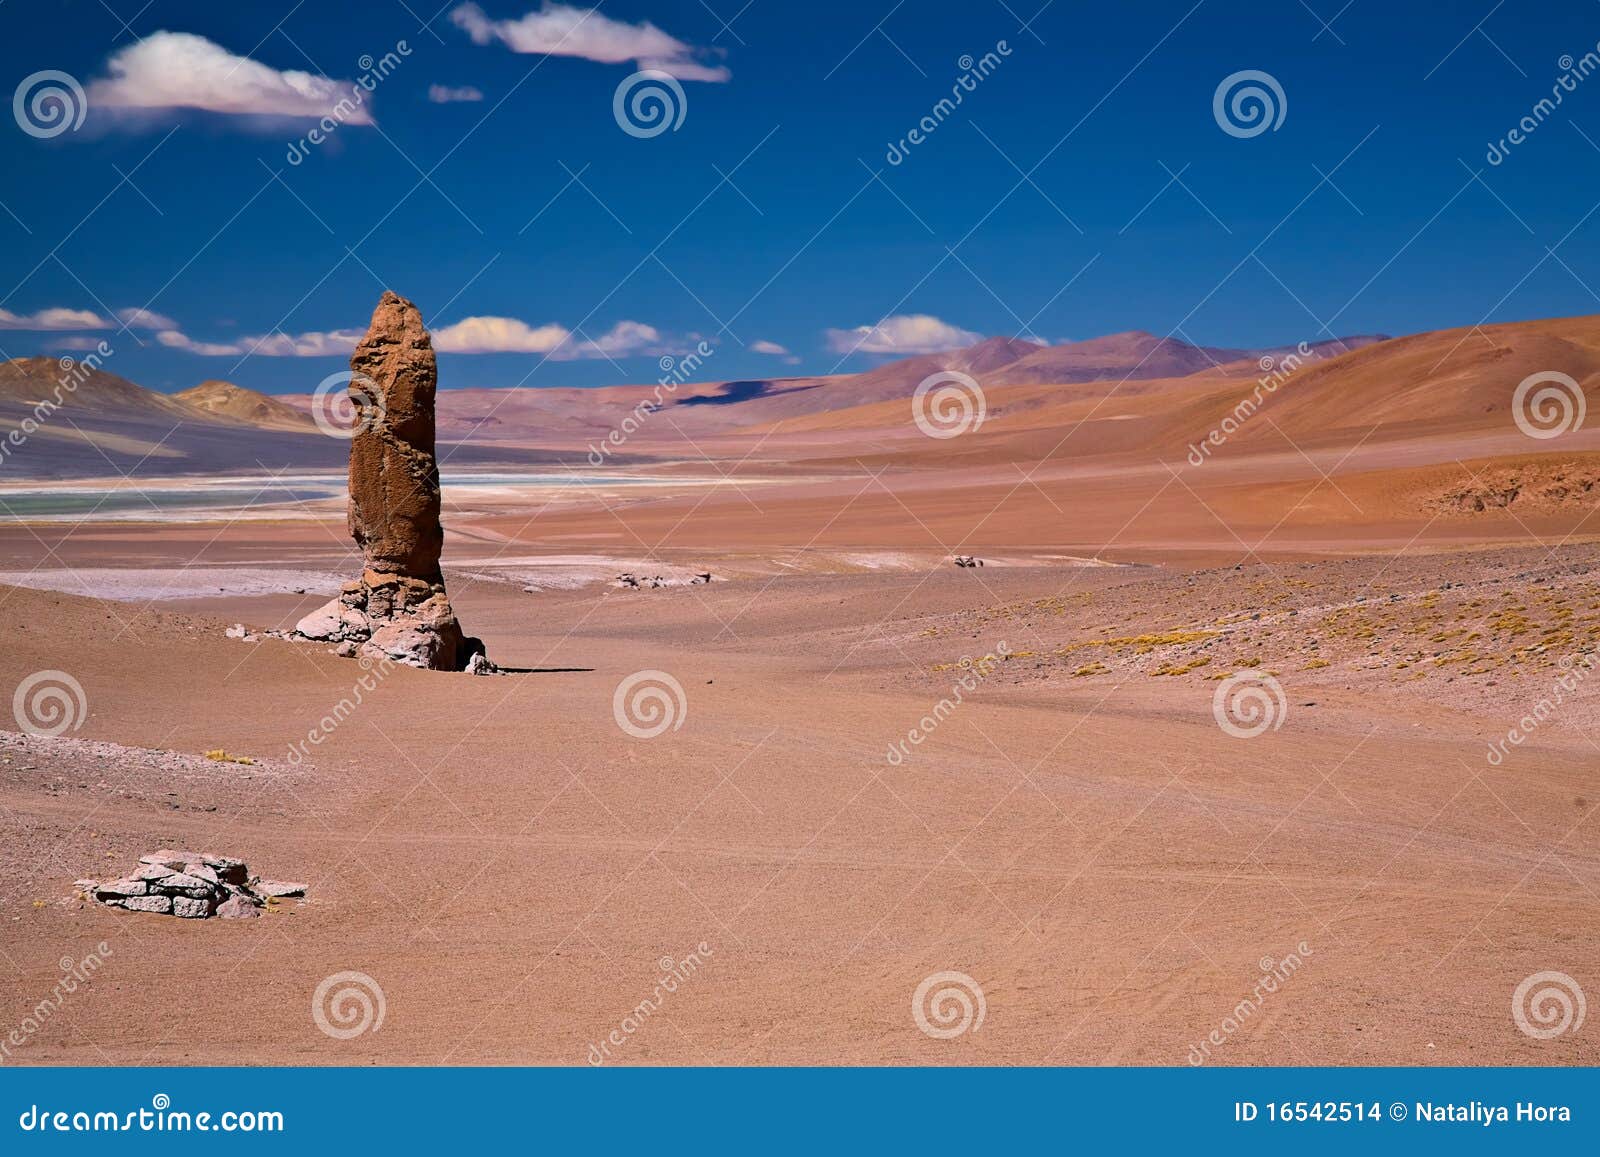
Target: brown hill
{"points": [[1444, 382], [25, 382], [235, 403]]}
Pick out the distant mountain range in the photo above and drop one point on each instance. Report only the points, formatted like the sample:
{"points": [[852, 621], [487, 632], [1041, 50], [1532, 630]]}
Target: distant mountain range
{"points": [[1138, 390]]}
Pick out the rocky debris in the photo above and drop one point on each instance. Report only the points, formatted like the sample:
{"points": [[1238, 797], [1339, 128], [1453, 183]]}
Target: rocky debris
{"points": [[1542, 487], [192, 885], [397, 611], [630, 581], [966, 560]]}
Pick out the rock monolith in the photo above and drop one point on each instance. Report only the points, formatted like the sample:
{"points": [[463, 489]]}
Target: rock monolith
{"points": [[398, 609]]}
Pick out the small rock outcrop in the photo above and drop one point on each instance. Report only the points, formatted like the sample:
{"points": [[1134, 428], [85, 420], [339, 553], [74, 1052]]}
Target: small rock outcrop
{"points": [[398, 609], [193, 885], [966, 560]]}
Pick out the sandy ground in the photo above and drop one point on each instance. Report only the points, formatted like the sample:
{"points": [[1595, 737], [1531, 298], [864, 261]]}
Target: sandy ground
{"points": [[1078, 835]]}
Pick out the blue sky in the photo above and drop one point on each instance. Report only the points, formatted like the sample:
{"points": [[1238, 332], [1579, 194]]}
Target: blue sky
{"points": [[527, 223]]}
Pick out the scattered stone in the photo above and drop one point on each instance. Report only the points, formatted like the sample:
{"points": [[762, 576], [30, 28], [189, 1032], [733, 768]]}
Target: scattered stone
{"points": [[191, 885], [966, 560], [145, 904], [238, 908], [278, 888], [117, 889]]}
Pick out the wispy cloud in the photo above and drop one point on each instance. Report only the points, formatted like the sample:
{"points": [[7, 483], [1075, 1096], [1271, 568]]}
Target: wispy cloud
{"points": [[172, 70], [444, 94], [563, 30], [145, 319], [470, 335], [915, 333], [53, 319], [332, 343], [491, 335], [58, 319], [773, 349]]}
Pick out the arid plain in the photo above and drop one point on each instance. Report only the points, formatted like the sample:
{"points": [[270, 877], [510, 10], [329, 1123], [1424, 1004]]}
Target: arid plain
{"points": [[1223, 693]]}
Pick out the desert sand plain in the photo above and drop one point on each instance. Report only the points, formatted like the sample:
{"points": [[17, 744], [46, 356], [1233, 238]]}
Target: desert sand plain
{"points": [[1079, 835]]}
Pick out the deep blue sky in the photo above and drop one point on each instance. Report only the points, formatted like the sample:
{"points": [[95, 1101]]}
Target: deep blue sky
{"points": [[233, 252]]}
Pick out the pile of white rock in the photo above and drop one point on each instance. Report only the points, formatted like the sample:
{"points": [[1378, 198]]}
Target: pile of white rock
{"points": [[190, 884]]}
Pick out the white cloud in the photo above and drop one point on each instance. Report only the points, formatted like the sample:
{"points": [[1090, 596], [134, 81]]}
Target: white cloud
{"points": [[169, 70], [915, 333], [444, 94], [768, 347], [471, 335], [145, 319], [562, 30], [334, 343], [485, 335], [493, 335], [53, 319], [58, 319]]}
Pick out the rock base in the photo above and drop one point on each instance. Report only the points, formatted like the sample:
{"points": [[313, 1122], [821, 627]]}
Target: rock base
{"points": [[395, 618]]}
